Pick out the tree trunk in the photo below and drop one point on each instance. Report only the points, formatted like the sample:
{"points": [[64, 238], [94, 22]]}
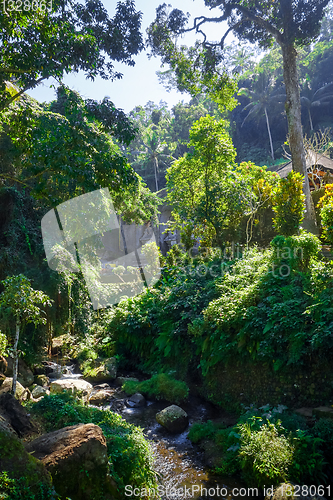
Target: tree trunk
{"points": [[269, 134], [293, 110], [310, 118], [15, 362], [122, 234], [156, 171]]}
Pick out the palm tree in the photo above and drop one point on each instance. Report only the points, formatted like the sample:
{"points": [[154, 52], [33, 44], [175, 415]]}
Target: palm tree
{"points": [[315, 99], [262, 99], [154, 147]]}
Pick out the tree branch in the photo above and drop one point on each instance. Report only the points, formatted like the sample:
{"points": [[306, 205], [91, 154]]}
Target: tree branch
{"points": [[249, 16], [6, 103], [15, 70]]}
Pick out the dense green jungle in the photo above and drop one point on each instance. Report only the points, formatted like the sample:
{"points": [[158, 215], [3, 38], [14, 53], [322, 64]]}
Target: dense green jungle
{"points": [[237, 317]]}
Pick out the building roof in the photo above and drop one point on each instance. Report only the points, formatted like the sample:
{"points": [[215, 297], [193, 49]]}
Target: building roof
{"points": [[313, 159]]}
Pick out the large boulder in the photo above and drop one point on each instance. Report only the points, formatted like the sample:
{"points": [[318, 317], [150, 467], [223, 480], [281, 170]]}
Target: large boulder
{"points": [[104, 370], [77, 459], [25, 375], [15, 415], [173, 418], [21, 466], [7, 384], [77, 387], [5, 426]]}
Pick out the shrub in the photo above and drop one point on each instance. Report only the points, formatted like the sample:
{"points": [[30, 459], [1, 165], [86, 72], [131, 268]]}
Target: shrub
{"points": [[323, 429], [288, 204], [327, 199], [296, 251], [153, 256], [265, 454], [326, 215], [130, 457], [19, 489], [308, 461], [160, 386], [3, 344], [199, 431], [175, 255]]}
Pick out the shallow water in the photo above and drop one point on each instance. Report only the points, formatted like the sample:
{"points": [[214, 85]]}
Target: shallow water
{"points": [[178, 462], [180, 465]]}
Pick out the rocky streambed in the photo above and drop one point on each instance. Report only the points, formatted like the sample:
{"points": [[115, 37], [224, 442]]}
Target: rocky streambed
{"points": [[183, 468]]}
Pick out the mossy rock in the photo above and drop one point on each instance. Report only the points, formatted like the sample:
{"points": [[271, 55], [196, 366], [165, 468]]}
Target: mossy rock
{"points": [[30, 475], [76, 456], [173, 418]]}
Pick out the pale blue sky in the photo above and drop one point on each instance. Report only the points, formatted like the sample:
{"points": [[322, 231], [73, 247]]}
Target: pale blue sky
{"points": [[139, 83]]}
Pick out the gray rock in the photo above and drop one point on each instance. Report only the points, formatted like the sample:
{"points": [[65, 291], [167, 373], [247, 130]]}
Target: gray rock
{"points": [[39, 391], [173, 418], [100, 397], [102, 387], [79, 387], [104, 370], [136, 401], [7, 385], [323, 412], [42, 380]]}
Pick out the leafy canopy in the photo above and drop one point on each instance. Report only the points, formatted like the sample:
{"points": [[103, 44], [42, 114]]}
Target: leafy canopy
{"points": [[203, 186], [65, 149], [73, 36], [19, 299]]}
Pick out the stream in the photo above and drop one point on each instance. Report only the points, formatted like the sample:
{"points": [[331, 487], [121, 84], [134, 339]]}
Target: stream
{"points": [[180, 465]]}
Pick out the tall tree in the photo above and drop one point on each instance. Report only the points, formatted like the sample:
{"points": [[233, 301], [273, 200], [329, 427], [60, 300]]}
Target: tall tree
{"points": [[152, 149], [203, 187], [72, 36], [290, 23], [262, 98], [22, 302]]}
